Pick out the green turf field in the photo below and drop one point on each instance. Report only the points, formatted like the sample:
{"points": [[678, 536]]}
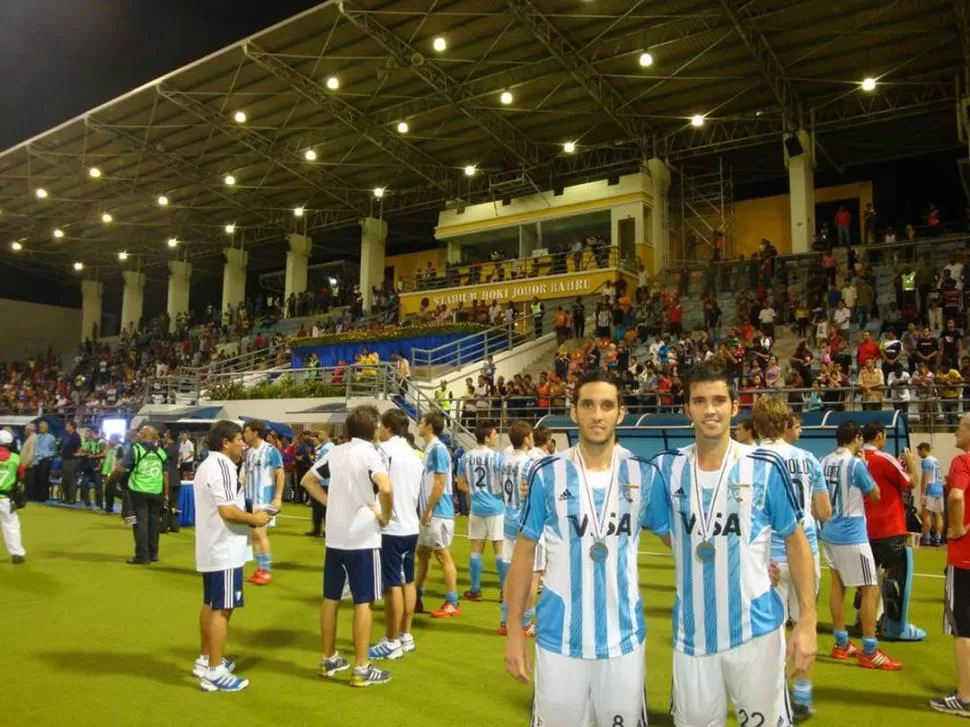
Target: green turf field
{"points": [[90, 640]]}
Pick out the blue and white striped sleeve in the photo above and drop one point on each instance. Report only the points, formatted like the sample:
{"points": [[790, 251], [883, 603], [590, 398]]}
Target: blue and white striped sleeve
{"points": [[655, 498], [532, 520], [781, 503]]}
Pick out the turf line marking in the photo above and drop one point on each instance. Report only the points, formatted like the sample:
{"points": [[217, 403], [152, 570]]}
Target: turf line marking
{"points": [[641, 552]]}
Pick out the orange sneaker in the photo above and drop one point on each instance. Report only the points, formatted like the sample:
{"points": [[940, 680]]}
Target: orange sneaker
{"points": [[260, 578], [447, 610], [475, 596], [849, 651], [256, 576], [878, 660], [502, 630]]}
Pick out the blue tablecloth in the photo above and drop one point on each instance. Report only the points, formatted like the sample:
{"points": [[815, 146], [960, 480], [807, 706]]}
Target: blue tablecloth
{"points": [[187, 504]]}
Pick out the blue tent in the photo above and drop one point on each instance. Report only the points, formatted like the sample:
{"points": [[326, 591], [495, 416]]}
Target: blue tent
{"points": [[647, 434]]}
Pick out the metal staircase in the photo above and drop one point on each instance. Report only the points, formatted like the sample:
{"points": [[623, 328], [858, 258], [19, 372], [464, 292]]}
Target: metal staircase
{"points": [[701, 205]]}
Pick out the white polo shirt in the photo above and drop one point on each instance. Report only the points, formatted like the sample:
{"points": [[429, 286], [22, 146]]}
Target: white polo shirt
{"points": [[219, 545], [350, 467], [405, 469]]}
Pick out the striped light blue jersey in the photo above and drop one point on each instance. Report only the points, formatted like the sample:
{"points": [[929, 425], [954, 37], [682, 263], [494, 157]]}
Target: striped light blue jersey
{"points": [[516, 467], [848, 479], [729, 600], [437, 460], [934, 480], [325, 449], [588, 610], [482, 469], [806, 475], [259, 473]]}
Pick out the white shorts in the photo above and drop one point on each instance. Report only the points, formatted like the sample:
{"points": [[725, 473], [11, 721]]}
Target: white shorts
{"points": [[491, 528], [540, 559], [854, 563], [934, 504], [580, 692], [786, 589], [438, 535], [752, 676], [272, 522]]}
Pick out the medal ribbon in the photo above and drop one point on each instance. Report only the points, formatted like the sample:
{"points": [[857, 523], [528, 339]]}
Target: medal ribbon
{"points": [[597, 520], [705, 519]]}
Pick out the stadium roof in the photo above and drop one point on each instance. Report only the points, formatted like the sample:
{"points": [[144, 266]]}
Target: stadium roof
{"points": [[575, 72]]}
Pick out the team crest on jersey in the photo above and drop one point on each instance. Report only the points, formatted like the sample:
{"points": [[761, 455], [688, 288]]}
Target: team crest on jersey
{"points": [[627, 492], [737, 491]]}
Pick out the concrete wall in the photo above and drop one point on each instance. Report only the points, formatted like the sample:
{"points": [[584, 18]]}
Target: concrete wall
{"points": [[32, 327]]}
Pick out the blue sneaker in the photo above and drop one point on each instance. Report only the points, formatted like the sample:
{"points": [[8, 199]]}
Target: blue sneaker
{"points": [[222, 680], [367, 676], [385, 649], [202, 663], [336, 663], [893, 631]]}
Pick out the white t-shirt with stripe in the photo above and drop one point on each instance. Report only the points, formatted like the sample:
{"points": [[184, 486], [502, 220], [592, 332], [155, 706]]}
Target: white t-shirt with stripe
{"points": [[219, 545], [352, 495], [406, 470]]}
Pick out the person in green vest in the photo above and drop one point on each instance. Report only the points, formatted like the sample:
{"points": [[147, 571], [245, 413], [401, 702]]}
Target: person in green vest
{"points": [[92, 454], [11, 472], [107, 488], [144, 463]]}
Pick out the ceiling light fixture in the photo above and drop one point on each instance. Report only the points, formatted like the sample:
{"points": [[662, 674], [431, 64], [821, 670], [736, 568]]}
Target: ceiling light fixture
{"points": [[440, 44], [506, 97], [106, 218], [402, 127], [697, 120], [94, 173], [173, 242], [646, 60], [41, 193], [470, 170], [310, 155], [163, 201], [122, 256], [869, 84], [58, 233], [240, 117], [229, 180], [79, 266], [378, 192], [333, 83], [298, 211], [569, 147], [230, 229], [16, 246]]}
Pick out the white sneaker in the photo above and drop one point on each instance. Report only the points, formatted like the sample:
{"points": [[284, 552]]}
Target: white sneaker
{"points": [[202, 663], [407, 643], [222, 680], [385, 649]]}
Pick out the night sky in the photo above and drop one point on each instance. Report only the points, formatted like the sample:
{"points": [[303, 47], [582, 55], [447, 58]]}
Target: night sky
{"points": [[60, 58]]}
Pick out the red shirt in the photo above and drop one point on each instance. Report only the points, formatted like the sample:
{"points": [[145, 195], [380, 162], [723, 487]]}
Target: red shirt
{"points": [[867, 350], [958, 551], [843, 218], [886, 518], [675, 313]]}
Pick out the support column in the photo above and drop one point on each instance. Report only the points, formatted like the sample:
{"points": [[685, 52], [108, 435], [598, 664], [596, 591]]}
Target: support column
{"points": [[660, 216], [373, 239], [801, 186], [132, 299], [180, 276], [234, 277], [92, 304], [296, 264]]}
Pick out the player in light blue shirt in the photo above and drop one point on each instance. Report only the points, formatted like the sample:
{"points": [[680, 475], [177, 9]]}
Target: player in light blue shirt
{"points": [[779, 430], [479, 473], [319, 510], [932, 497], [717, 504], [263, 480], [437, 516], [586, 503]]}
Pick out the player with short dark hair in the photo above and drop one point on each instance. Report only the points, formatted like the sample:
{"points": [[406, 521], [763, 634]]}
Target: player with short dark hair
{"points": [[263, 480]]}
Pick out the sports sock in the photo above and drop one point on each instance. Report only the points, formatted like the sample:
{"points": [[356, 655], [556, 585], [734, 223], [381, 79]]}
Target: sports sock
{"points": [[527, 617], [803, 691], [503, 569], [505, 612], [475, 567], [452, 598], [841, 639], [260, 559], [267, 561], [869, 646]]}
